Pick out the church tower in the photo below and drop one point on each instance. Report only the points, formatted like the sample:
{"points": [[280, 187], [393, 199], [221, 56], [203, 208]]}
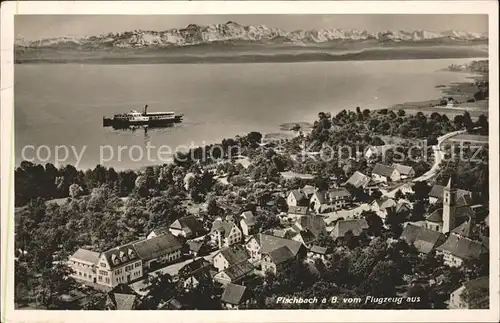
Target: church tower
{"points": [[449, 200]]}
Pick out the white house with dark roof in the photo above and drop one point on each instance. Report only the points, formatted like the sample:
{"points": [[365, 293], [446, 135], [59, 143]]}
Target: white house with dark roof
{"points": [[404, 171], [225, 233], [235, 273], [119, 265], [276, 259], [385, 174], [83, 263], [296, 198], [424, 240], [163, 249], [479, 286], [308, 191], [229, 256], [358, 180], [457, 249], [331, 200], [233, 296], [383, 206], [247, 223], [188, 227], [297, 211], [312, 222], [261, 244]]}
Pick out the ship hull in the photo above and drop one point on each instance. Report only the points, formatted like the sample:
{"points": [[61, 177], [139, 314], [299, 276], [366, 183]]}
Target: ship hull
{"points": [[119, 123]]}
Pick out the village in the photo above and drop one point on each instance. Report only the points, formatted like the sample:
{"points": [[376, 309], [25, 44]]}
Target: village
{"points": [[233, 249]]}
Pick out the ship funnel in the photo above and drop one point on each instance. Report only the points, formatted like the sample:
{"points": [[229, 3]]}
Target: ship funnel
{"points": [[146, 109]]}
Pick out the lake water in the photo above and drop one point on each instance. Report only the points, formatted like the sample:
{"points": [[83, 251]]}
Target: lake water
{"points": [[63, 104]]}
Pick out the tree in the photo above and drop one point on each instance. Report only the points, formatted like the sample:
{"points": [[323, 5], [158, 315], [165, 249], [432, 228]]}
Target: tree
{"points": [[321, 183], [401, 113], [375, 224], [467, 121], [52, 283], [160, 288], [75, 190]]}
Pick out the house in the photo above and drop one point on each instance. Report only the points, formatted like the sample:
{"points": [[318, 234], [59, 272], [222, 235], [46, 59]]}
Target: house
{"points": [[197, 248], [453, 212], [423, 239], [478, 287], [406, 189], [306, 237], [276, 259], [296, 198], [189, 227], [316, 252], [333, 199], [312, 222], [383, 206], [225, 233], [404, 171], [356, 226], [261, 244], [247, 223], [403, 207], [385, 174], [358, 180], [233, 296], [122, 297], [83, 263], [234, 273], [339, 197], [456, 249], [197, 272], [163, 249], [119, 265], [372, 152], [437, 191], [229, 256]]}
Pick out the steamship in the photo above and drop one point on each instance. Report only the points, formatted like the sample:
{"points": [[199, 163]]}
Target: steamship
{"points": [[135, 118]]}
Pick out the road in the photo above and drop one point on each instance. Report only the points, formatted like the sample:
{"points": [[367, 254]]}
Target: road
{"points": [[438, 156], [172, 270]]}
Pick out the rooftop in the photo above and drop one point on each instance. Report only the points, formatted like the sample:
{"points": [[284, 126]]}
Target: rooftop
{"points": [[403, 169], [383, 170], [356, 226], [85, 255], [240, 270], [281, 255], [423, 239], [234, 255], [157, 246], [358, 179], [233, 294], [461, 247]]}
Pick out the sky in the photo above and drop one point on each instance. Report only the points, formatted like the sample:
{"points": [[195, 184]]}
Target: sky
{"points": [[33, 27]]}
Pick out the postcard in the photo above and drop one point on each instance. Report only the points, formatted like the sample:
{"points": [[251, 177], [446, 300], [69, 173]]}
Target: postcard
{"points": [[249, 161]]}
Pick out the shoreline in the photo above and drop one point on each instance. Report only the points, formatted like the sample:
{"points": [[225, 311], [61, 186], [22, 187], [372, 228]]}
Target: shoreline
{"points": [[284, 129]]}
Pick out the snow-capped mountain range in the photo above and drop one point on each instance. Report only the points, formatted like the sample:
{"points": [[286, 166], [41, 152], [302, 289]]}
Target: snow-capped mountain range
{"points": [[232, 32]]}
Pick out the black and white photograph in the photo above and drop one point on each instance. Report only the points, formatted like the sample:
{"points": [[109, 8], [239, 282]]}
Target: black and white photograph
{"points": [[251, 161]]}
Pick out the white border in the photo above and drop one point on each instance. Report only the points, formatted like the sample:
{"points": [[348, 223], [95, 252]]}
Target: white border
{"points": [[8, 9]]}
